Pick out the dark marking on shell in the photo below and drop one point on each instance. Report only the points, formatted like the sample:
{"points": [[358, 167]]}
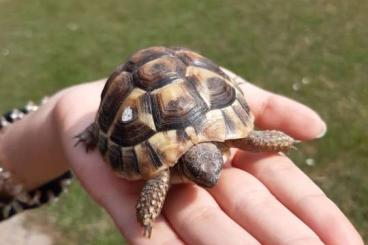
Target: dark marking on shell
{"points": [[131, 133], [236, 85], [241, 113], [153, 155], [157, 84], [230, 125], [145, 102], [144, 56], [102, 144], [115, 157], [137, 126], [177, 112], [199, 124], [159, 72], [118, 91], [111, 79], [130, 160], [209, 65], [221, 93], [181, 135], [193, 59], [243, 103]]}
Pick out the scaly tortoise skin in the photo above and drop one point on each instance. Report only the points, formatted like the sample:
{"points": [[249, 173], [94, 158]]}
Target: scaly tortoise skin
{"points": [[169, 115]]}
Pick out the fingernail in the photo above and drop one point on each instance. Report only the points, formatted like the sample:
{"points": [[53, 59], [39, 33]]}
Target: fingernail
{"points": [[323, 131]]}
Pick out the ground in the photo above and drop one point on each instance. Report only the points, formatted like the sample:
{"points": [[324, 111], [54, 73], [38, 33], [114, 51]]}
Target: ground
{"points": [[312, 50], [16, 232]]}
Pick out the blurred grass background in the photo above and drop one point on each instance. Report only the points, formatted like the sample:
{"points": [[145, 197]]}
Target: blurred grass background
{"points": [[312, 50]]}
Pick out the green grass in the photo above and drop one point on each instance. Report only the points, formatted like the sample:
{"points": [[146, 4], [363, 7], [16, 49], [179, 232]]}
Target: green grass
{"points": [[47, 45], [82, 220]]}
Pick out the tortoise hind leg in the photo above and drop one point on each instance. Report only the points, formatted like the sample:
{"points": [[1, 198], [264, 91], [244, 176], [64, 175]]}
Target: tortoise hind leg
{"points": [[151, 200], [264, 141], [88, 137]]}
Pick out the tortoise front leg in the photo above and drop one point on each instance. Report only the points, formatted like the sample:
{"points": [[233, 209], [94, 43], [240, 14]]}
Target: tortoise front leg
{"points": [[264, 141], [151, 200], [88, 137]]}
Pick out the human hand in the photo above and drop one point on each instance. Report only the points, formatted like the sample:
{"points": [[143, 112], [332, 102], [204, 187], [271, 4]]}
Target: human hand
{"points": [[260, 198]]}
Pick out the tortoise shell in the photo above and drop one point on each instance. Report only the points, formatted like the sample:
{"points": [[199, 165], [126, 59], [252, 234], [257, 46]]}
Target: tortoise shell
{"points": [[162, 102]]}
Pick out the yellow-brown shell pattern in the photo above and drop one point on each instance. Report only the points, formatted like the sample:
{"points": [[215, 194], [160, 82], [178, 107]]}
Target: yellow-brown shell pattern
{"points": [[162, 102]]}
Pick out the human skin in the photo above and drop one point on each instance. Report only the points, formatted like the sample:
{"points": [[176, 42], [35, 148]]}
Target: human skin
{"points": [[261, 198]]}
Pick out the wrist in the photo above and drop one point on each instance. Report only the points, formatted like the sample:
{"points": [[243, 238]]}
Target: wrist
{"points": [[9, 185], [26, 180], [28, 147]]}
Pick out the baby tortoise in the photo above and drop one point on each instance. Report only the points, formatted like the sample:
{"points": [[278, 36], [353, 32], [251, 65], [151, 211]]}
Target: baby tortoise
{"points": [[170, 115]]}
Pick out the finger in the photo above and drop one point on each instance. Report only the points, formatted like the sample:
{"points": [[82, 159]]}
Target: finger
{"points": [[274, 111], [250, 204], [119, 198], [198, 219], [116, 195], [299, 194]]}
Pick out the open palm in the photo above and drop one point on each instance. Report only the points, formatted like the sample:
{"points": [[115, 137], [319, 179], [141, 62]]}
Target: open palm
{"points": [[260, 198]]}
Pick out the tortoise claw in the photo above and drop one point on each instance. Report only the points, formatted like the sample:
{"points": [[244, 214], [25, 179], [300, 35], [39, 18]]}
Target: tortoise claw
{"points": [[87, 138], [147, 231], [295, 143], [80, 139], [293, 147]]}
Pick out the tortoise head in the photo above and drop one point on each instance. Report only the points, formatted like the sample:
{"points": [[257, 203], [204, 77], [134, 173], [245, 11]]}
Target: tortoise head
{"points": [[202, 164]]}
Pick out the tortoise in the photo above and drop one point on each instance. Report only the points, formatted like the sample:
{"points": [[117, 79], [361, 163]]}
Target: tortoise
{"points": [[170, 115]]}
